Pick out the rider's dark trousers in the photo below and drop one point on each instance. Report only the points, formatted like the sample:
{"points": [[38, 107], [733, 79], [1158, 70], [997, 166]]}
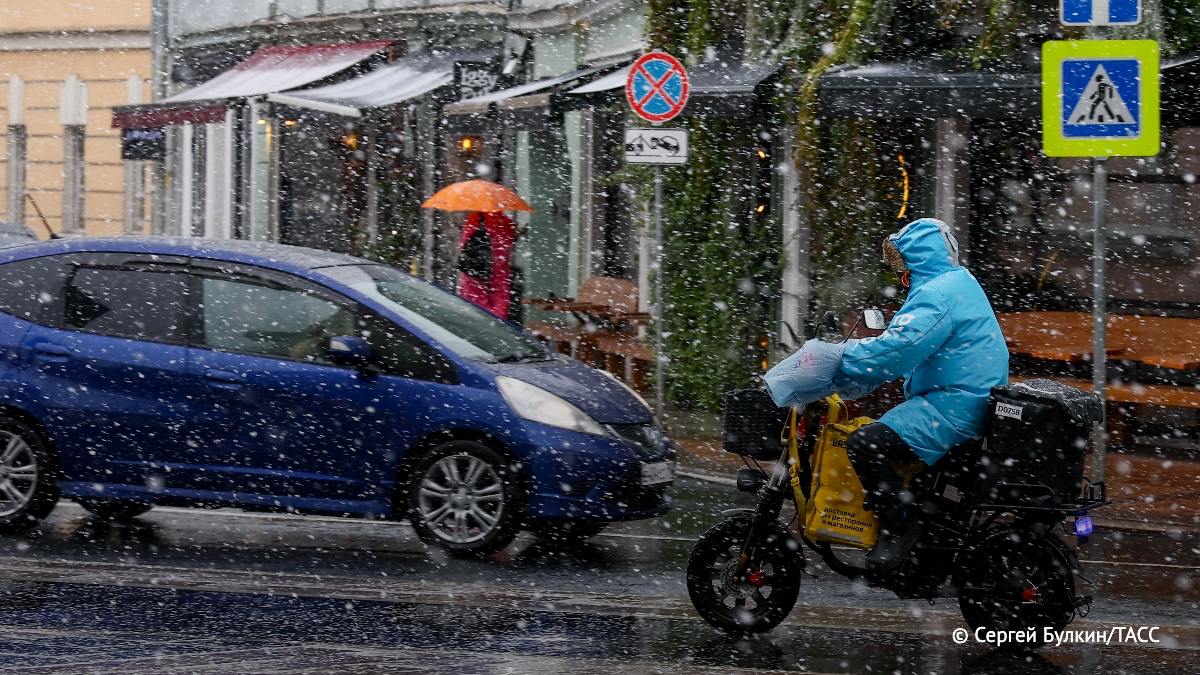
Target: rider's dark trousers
{"points": [[873, 449]]}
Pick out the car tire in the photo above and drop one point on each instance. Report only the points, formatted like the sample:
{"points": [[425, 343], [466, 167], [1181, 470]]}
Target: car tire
{"points": [[566, 532], [28, 476], [114, 509], [464, 497]]}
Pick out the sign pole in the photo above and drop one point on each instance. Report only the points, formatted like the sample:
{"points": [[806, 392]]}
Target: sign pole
{"points": [[659, 350], [1099, 354], [1100, 99]]}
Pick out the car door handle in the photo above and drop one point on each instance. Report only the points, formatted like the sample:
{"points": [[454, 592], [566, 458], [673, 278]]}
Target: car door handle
{"points": [[48, 351], [223, 379]]}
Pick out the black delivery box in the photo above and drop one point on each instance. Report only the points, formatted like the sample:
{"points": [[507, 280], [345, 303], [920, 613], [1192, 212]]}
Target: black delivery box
{"points": [[1037, 438]]}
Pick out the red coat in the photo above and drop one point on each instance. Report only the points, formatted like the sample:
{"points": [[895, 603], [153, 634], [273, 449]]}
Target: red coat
{"points": [[485, 261]]}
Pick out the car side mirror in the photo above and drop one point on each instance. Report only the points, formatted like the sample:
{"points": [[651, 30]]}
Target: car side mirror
{"points": [[349, 350], [873, 319]]}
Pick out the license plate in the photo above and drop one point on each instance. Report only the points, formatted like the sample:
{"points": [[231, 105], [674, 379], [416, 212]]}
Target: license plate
{"points": [[659, 472]]}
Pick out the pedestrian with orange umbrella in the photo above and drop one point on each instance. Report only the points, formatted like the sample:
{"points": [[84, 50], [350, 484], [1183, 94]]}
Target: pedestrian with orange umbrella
{"points": [[486, 275]]}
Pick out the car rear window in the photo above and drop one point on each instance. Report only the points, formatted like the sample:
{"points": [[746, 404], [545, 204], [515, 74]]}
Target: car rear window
{"points": [[126, 303], [25, 286]]}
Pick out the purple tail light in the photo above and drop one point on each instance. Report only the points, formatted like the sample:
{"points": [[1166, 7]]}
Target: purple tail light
{"points": [[1083, 526]]}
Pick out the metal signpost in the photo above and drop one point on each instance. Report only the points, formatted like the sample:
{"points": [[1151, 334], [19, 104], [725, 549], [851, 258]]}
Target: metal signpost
{"points": [[657, 90], [1100, 99]]}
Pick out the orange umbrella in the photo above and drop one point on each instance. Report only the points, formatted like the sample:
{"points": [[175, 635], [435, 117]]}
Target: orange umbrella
{"points": [[476, 195]]}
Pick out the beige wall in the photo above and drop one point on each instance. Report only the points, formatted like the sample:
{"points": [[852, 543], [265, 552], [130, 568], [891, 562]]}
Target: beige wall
{"points": [[34, 16], [103, 42]]}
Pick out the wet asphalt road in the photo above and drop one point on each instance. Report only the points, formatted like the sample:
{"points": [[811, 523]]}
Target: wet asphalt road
{"points": [[226, 591]]}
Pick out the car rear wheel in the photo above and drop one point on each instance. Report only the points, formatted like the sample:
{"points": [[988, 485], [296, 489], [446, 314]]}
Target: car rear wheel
{"points": [[464, 497], [112, 509], [28, 486]]}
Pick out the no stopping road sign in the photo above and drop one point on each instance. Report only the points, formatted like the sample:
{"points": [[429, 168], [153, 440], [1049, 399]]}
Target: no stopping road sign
{"points": [[657, 87]]}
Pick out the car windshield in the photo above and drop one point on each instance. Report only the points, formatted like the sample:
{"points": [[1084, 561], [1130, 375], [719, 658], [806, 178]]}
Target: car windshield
{"points": [[458, 325]]}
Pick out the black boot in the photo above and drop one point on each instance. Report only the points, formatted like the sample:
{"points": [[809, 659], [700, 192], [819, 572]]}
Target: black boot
{"points": [[899, 529]]}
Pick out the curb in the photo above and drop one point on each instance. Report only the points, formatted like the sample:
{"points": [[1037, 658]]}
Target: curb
{"points": [[710, 477]]}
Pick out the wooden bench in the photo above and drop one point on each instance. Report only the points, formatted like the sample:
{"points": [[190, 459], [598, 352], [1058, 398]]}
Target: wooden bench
{"points": [[596, 295], [626, 356], [1144, 348], [1057, 336], [1166, 395], [607, 311], [1167, 342], [562, 339]]}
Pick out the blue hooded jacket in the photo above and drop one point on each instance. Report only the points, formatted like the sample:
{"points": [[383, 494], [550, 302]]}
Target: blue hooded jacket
{"points": [[945, 342]]}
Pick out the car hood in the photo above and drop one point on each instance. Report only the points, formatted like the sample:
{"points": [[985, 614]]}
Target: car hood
{"points": [[588, 389]]}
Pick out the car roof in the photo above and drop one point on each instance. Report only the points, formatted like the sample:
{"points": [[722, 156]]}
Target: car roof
{"points": [[262, 253]]}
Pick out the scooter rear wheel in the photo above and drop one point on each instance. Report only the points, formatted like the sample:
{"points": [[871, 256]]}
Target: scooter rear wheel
{"points": [[757, 600], [1014, 580]]}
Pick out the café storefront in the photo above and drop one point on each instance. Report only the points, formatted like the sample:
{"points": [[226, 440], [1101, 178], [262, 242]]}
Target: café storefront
{"points": [[327, 145]]}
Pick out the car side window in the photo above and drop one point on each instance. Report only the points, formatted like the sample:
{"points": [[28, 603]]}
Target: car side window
{"points": [[267, 319], [398, 352], [26, 286], [126, 303]]}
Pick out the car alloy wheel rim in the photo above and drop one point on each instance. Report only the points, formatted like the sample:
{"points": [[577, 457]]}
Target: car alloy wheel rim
{"points": [[461, 498], [18, 473]]}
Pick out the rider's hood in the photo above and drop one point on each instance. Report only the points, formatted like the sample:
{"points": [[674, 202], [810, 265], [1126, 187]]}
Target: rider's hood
{"points": [[928, 247]]}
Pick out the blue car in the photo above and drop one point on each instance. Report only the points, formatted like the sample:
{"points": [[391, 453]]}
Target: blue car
{"points": [[142, 370]]}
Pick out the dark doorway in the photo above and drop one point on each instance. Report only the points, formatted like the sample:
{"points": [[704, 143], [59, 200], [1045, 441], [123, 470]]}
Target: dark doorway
{"points": [[322, 183]]}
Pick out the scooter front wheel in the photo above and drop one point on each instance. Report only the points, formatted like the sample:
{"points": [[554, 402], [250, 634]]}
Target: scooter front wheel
{"points": [[755, 599]]}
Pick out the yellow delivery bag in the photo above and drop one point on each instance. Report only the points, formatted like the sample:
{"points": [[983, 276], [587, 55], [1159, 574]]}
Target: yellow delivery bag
{"points": [[834, 512]]}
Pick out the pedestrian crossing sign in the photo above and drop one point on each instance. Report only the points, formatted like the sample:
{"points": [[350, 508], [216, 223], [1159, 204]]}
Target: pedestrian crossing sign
{"points": [[1100, 98]]}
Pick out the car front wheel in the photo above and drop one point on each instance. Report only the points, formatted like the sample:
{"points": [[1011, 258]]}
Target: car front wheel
{"points": [[464, 497], [28, 488]]}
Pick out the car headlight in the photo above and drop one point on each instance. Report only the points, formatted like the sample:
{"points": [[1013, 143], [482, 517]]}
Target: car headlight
{"points": [[538, 405]]}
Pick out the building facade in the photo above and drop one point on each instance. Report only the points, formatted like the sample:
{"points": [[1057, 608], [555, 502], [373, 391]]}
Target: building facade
{"points": [[72, 168], [342, 157], [326, 123]]}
